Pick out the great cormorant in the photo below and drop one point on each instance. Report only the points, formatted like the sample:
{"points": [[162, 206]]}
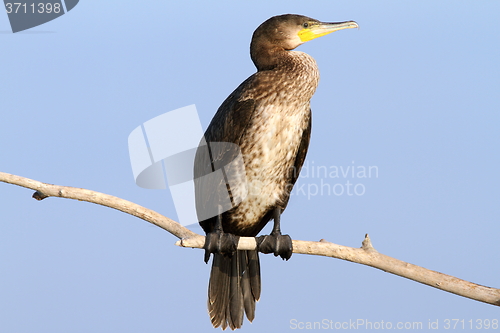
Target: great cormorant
{"points": [[257, 142]]}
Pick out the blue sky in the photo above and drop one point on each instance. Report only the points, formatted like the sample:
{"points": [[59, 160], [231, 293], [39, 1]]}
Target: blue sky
{"points": [[413, 92]]}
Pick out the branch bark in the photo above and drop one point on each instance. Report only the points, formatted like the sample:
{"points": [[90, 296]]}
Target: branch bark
{"points": [[366, 255]]}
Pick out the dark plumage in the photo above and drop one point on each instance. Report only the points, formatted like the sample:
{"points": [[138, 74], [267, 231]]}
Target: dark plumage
{"points": [[269, 118]]}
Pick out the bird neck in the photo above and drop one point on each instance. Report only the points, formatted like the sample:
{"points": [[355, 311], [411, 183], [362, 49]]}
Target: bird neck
{"points": [[266, 56], [292, 71]]}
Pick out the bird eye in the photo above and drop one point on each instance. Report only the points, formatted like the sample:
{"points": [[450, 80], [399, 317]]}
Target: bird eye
{"points": [[305, 25]]}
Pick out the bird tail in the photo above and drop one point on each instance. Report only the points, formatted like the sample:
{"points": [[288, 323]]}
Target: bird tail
{"points": [[234, 288]]}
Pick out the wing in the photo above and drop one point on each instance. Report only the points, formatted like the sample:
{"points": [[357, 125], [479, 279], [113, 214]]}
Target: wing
{"points": [[302, 152], [299, 159], [219, 148]]}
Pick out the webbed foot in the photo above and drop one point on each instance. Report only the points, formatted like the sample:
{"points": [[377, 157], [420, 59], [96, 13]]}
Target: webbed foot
{"points": [[276, 243], [220, 242]]}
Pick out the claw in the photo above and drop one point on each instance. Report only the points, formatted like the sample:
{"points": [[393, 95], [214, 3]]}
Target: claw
{"points": [[218, 241], [276, 243], [279, 245]]}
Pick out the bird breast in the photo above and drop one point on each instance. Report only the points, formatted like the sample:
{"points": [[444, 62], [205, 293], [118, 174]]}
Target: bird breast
{"points": [[271, 141]]}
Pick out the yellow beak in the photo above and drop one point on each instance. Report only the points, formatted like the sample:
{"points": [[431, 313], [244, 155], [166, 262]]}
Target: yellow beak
{"points": [[321, 29]]}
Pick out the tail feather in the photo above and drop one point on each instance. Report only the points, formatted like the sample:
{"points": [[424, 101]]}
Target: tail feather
{"points": [[251, 283], [233, 289], [254, 273], [235, 317]]}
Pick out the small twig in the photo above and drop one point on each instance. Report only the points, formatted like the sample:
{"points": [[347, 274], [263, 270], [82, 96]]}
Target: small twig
{"points": [[367, 244], [366, 255]]}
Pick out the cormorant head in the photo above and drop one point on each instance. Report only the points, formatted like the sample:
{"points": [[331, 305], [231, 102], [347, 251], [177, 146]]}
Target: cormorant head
{"points": [[286, 32]]}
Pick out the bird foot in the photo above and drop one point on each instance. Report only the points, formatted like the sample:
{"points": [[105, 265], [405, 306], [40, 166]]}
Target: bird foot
{"points": [[220, 242], [279, 245]]}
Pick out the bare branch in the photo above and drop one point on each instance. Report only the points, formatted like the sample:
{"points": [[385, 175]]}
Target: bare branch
{"points": [[44, 190], [366, 255]]}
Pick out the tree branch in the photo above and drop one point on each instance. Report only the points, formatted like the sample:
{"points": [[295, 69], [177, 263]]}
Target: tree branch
{"points": [[366, 255], [44, 190]]}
